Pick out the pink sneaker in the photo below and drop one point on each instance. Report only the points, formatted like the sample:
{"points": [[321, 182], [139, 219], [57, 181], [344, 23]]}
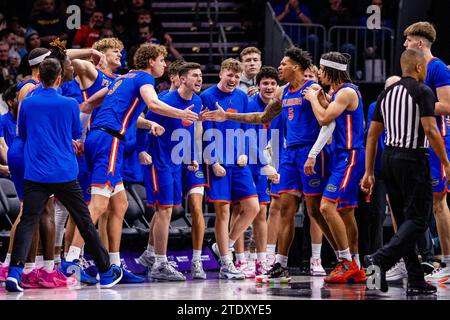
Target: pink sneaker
{"points": [[261, 267], [54, 279], [3, 273], [243, 267], [30, 280]]}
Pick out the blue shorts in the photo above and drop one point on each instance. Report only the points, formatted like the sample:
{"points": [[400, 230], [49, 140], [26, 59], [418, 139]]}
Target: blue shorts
{"points": [[294, 179], [347, 171], [192, 179], [275, 189], [163, 187], [237, 185], [84, 178], [438, 178], [261, 183], [16, 164], [104, 157]]}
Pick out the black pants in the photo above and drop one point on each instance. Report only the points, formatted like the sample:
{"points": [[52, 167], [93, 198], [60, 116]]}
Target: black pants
{"points": [[377, 214], [408, 183], [35, 196]]}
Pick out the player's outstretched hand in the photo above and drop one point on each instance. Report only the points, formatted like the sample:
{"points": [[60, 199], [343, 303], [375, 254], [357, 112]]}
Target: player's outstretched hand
{"points": [[310, 94], [145, 159], [193, 166], [367, 183], [308, 168], [216, 115], [156, 129], [189, 115], [218, 170]]}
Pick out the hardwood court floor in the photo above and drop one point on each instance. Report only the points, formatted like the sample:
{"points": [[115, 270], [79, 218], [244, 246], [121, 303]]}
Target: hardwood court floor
{"points": [[300, 288]]}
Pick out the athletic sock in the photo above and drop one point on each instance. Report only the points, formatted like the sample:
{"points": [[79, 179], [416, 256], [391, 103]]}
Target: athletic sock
{"points": [[241, 257], [49, 265], [271, 248], [150, 250], [283, 260], [114, 258], [261, 256], [315, 250], [345, 254], [29, 266], [39, 262], [57, 258], [196, 255], [73, 254], [226, 260], [231, 243], [356, 257], [7, 260]]}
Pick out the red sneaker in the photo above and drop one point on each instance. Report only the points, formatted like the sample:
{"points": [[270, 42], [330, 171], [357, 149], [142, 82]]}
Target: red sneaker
{"points": [[30, 280], [347, 271]]}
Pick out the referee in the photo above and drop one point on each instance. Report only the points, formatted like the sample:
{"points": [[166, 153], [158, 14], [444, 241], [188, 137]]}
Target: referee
{"points": [[406, 110]]}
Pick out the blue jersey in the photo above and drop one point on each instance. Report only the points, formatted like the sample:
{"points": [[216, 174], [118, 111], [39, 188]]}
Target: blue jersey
{"points": [[47, 124], [161, 148], [236, 102], [21, 84], [131, 167], [71, 89], [163, 93], [349, 131], [301, 124], [9, 125], [121, 106], [380, 140], [103, 80], [438, 76]]}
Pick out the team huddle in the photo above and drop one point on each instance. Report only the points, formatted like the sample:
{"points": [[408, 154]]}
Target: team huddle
{"points": [[254, 148]]}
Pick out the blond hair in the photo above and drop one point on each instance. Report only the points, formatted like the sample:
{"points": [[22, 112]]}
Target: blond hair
{"points": [[421, 29], [313, 68], [107, 43], [231, 64], [146, 52]]}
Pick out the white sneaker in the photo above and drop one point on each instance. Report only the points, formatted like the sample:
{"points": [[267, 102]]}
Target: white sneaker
{"points": [[166, 271], [230, 272], [216, 251], [197, 270], [439, 275], [397, 272], [315, 267]]}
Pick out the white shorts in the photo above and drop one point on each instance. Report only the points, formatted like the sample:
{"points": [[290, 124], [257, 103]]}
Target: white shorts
{"points": [[106, 191]]}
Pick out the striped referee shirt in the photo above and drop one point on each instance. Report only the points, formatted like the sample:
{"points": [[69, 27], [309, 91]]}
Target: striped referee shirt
{"points": [[400, 108]]}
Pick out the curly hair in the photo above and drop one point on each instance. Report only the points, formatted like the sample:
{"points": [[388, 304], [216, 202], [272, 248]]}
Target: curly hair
{"points": [[299, 56], [333, 75], [146, 52], [107, 43], [267, 72], [58, 52]]}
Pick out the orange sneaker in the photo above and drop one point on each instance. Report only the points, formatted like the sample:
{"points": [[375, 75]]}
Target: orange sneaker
{"points": [[358, 277], [348, 270]]}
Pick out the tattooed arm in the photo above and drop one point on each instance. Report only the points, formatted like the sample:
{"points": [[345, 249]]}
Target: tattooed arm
{"points": [[272, 110]]}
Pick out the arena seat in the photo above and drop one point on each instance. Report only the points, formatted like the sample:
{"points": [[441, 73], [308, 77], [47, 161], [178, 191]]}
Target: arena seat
{"points": [[9, 200], [138, 192]]}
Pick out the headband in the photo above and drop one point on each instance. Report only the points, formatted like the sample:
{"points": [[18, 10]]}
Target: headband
{"points": [[334, 65], [38, 59]]}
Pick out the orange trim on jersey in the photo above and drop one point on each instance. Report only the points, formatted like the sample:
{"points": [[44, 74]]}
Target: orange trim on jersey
{"points": [[348, 170], [312, 194], [207, 177], [322, 164], [156, 204], [275, 195], [198, 185], [113, 156], [443, 126], [349, 133], [154, 179], [245, 198], [107, 184], [286, 191], [218, 201], [111, 75], [85, 95], [347, 207], [331, 200], [299, 88], [264, 202], [126, 119]]}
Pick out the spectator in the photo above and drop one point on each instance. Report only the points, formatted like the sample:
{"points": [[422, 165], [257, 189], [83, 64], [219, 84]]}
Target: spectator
{"points": [[18, 30], [146, 34], [87, 10], [335, 15], [32, 41], [8, 36], [292, 11], [47, 22], [88, 34], [7, 72]]}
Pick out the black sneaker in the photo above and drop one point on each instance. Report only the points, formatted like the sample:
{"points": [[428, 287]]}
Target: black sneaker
{"points": [[427, 267], [278, 274], [370, 261], [420, 288]]}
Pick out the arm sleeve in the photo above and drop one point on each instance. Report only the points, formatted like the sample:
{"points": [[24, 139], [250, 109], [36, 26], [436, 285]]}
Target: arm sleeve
{"points": [[76, 126], [21, 121], [324, 135], [426, 101]]}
